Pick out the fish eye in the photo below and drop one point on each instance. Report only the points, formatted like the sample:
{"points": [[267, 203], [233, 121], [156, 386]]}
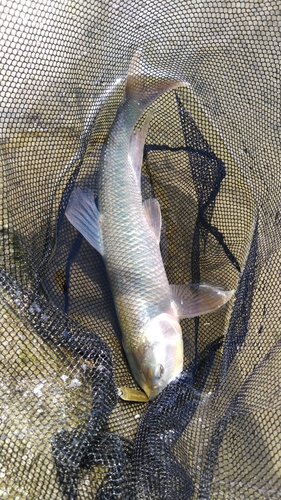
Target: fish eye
{"points": [[159, 371]]}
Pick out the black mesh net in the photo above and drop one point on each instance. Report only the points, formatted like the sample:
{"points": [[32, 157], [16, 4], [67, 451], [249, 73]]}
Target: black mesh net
{"points": [[212, 160]]}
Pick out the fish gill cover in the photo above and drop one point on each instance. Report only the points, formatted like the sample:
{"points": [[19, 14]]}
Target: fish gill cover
{"points": [[211, 158]]}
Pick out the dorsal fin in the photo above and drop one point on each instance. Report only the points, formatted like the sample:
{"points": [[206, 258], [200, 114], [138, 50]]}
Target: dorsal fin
{"points": [[137, 141], [152, 213]]}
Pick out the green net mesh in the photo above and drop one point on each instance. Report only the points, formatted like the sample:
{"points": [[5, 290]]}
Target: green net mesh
{"points": [[212, 160]]}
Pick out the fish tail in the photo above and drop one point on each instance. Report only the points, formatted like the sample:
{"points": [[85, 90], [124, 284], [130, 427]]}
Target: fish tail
{"points": [[144, 88]]}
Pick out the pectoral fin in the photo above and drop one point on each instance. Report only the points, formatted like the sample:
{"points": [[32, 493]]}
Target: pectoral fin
{"points": [[83, 214], [194, 300], [152, 213]]}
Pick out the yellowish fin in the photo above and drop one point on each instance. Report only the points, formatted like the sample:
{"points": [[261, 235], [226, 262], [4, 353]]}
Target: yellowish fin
{"points": [[128, 394]]}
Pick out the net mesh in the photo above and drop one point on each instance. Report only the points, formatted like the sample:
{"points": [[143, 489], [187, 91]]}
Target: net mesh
{"points": [[212, 160]]}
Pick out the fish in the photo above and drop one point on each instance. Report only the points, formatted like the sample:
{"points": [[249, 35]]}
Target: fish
{"points": [[126, 232]]}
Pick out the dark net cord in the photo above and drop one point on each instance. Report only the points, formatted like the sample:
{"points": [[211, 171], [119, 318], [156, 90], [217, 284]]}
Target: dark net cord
{"points": [[212, 159]]}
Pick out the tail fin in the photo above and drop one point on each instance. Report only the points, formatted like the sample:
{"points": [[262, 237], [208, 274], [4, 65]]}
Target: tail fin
{"points": [[144, 88]]}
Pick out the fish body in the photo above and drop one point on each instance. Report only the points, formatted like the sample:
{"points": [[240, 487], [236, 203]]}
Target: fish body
{"points": [[126, 232]]}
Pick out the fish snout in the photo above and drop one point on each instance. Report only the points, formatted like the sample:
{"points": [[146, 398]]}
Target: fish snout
{"points": [[159, 358]]}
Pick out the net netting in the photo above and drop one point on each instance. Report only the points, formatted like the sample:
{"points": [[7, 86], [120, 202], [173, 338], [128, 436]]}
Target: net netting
{"points": [[212, 159]]}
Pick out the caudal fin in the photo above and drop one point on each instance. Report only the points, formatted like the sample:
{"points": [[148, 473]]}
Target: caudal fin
{"points": [[143, 87]]}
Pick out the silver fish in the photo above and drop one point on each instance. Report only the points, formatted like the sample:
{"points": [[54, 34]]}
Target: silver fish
{"points": [[126, 232]]}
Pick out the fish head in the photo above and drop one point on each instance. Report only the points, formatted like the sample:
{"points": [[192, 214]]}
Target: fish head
{"points": [[159, 357]]}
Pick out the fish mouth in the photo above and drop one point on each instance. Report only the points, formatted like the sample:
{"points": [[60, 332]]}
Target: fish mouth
{"points": [[152, 395], [138, 374], [153, 391]]}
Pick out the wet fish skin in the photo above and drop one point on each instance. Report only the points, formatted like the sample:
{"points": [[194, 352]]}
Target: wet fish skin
{"points": [[126, 232]]}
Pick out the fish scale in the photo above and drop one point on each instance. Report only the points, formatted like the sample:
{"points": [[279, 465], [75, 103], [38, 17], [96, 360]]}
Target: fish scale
{"points": [[127, 232]]}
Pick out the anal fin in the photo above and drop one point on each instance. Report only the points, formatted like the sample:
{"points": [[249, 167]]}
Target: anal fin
{"points": [[83, 214]]}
